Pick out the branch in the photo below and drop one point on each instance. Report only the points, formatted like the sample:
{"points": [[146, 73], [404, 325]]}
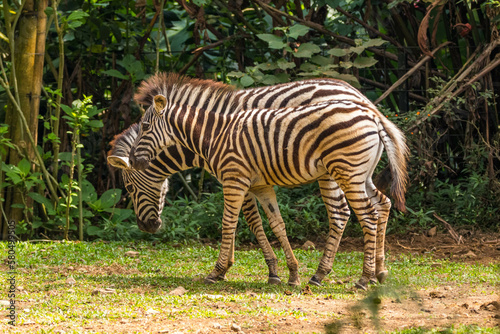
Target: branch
{"points": [[370, 28], [343, 39], [445, 95], [410, 72], [458, 238], [383, 86]]}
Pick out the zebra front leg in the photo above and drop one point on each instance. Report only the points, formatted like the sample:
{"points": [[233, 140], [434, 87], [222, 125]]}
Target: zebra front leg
{"points": [[338, 215], [252, 216], [233, 200], [267, 199]]}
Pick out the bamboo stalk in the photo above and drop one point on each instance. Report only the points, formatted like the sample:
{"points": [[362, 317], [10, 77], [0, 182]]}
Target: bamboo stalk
{"points": [[60, 78]]}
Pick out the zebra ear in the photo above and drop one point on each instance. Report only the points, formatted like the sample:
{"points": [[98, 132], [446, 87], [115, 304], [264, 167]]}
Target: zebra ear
{"points": [[159, 103], [119, 162]]}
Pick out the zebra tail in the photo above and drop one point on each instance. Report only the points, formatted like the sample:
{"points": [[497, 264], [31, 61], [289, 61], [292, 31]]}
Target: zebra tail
{"points": [[398, 153]]}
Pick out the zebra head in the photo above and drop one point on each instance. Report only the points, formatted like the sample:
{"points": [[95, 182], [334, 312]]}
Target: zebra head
{"points": [[146, 189], [152, 137]]}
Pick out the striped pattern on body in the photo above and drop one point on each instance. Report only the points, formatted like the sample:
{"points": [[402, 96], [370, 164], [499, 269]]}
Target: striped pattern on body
{"points": [[260, 148], [143, 187]]}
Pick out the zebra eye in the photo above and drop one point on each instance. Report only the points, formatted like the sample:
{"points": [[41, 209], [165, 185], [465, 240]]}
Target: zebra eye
{"points": [[145, 126]]}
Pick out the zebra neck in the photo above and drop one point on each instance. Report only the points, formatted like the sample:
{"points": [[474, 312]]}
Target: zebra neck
{"points": [[198, 129]]}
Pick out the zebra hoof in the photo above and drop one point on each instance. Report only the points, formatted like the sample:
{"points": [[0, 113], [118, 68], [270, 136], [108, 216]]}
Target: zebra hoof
{"points": [[382, 276], [361, 285], [209, 281], [314, 281], [274, 280], [294, 283]]}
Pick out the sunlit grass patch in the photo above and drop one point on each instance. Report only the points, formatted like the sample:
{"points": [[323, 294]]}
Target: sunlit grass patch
{"points": [[84, 284]]}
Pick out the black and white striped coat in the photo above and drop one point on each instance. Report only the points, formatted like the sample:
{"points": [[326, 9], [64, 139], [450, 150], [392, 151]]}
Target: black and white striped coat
{"points": [[254, 150]]}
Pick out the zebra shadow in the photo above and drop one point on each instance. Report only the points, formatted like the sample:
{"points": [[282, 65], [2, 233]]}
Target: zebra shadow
{"points": [[159, 282]]}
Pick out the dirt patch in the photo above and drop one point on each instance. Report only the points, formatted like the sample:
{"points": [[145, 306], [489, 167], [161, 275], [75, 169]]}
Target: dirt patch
{"points": [[473, 248], [95, 270]]}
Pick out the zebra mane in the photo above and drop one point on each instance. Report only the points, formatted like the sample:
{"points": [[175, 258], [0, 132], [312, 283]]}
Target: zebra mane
{"points": [[122, 143], [169, 84]]}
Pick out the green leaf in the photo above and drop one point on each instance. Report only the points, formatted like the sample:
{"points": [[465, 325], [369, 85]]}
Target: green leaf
{"points": [[330, 73], [275, 42], [24, 166], [43, 200], [374, 42], [94, 230], [362, 62], [357, 49], [76, 19], [77, 15], [116, 74], [338, 52], [308, 67], [235, 74], [284, 65], [95, 123], [64, 156], [36, 224], [68, 110], [321, 60], [18, 206], [350, 79], [306, 50], [270, 80], [200, 2], [267, 66], [283, 77], [89, 194], [246, 81], [298, 30], [110, 198], [120, 215]]}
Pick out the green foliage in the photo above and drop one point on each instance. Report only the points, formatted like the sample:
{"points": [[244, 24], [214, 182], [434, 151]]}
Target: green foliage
{"points": [[308, 54], [109, 47]]}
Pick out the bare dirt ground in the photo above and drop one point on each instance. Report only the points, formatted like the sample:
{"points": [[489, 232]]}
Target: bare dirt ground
{"points": [[445, 306]]}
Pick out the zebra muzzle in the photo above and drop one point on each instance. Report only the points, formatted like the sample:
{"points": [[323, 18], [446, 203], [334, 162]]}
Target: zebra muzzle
{"points": [[151, 226]]}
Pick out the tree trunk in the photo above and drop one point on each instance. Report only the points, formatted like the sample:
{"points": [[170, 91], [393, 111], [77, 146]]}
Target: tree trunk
{"points": [[28, 62]]}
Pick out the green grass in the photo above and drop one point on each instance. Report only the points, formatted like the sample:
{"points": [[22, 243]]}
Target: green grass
{"points": [[142, 283]]}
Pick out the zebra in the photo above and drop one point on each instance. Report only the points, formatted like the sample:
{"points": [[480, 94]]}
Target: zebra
{"points": [[340, 139], [147, 189]]}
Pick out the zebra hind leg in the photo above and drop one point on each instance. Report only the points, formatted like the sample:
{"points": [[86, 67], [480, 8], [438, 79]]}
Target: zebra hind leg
{"points": [[383, 206], [368, 218], [338, 215]]}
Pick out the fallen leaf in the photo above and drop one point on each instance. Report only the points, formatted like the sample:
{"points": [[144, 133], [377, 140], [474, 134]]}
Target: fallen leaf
{"points": [[179, 291], [307, 290], [308, 245], [235, 328], [150, 311], [132, 254], [436, 294], [432, 232]]}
